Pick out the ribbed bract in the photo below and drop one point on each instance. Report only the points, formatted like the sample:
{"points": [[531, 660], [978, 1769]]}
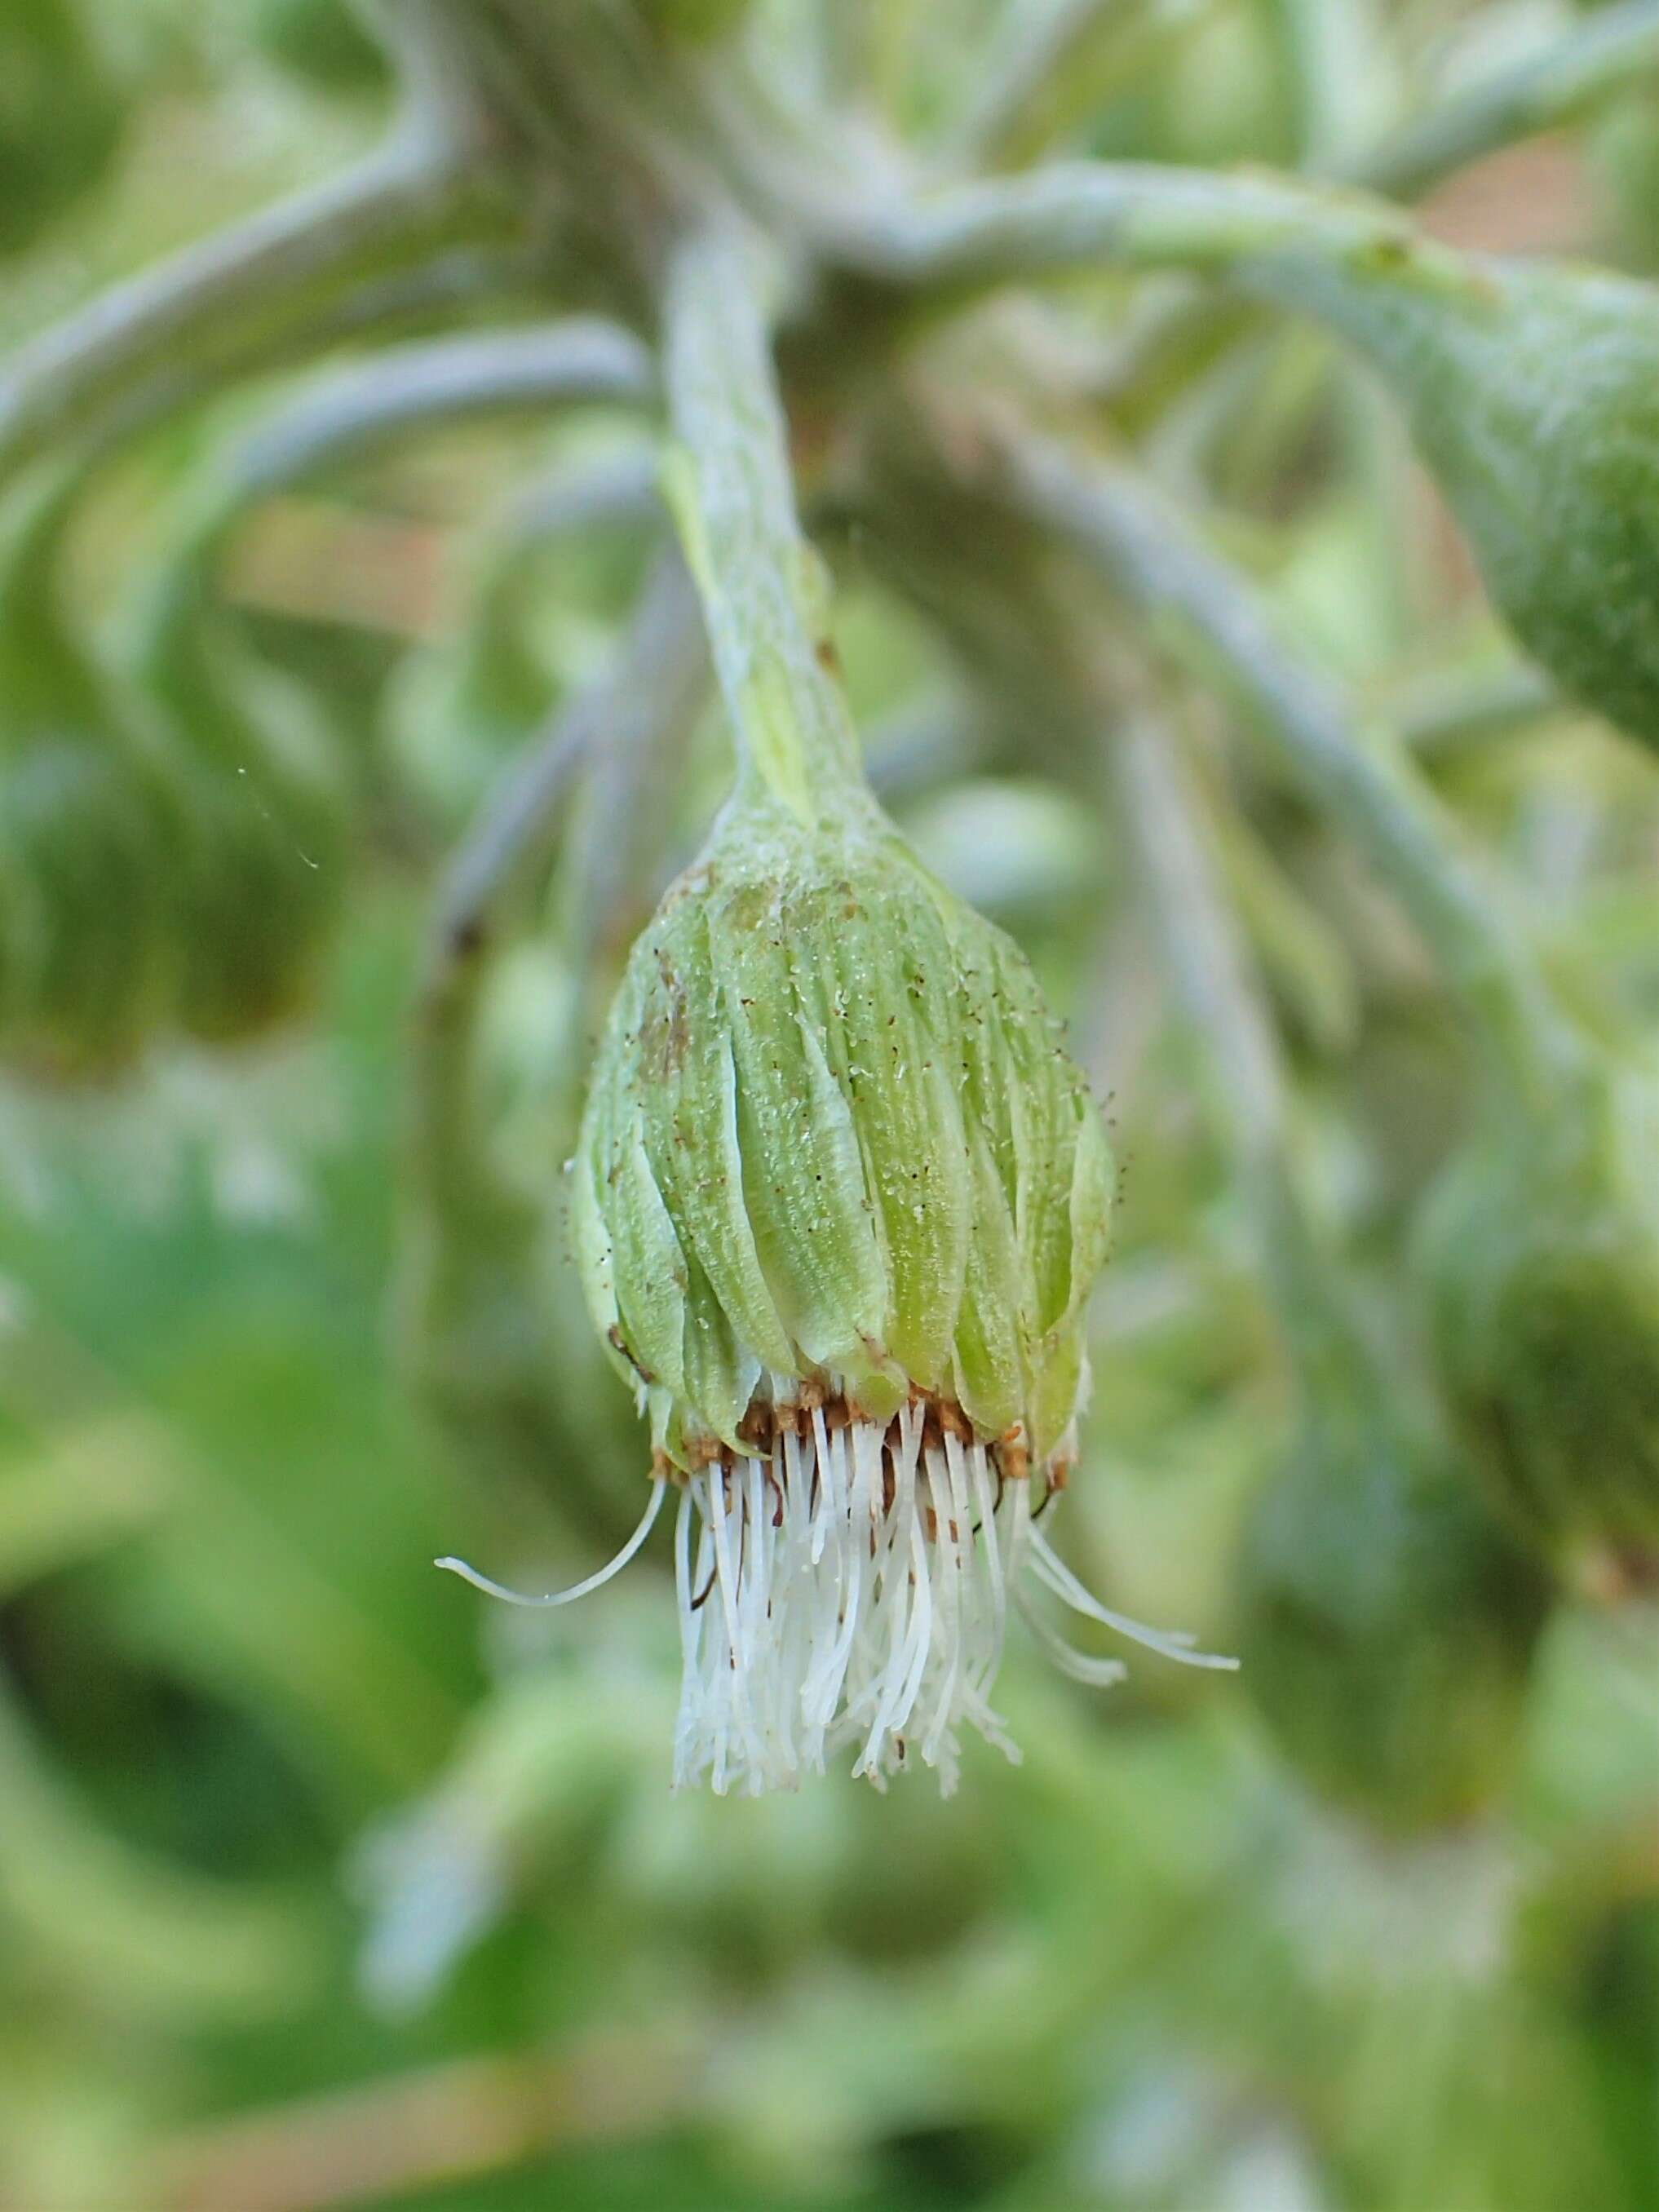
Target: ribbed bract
{"points": [[834, 1133]]}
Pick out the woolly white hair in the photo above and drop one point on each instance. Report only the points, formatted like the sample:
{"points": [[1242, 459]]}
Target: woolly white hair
{"points": [[850, 1586]]}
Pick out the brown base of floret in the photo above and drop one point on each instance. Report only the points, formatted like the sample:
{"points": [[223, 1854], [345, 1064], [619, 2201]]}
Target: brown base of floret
{"points": [[768, 1421]]}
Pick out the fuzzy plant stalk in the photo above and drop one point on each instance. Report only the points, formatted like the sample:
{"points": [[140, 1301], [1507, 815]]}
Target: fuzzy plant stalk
{"points": [[840, 1193], [220, 309]]}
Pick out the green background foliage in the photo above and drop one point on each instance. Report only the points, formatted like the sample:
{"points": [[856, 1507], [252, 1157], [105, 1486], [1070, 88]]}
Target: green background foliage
{"points": [[323, 1884]]}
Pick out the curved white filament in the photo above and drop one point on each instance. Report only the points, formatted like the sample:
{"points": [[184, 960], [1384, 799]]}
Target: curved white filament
{"points": [[577, 1589], [1172, 1644]]}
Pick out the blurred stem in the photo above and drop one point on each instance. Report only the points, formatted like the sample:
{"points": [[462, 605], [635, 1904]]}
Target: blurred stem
{"points": [[1202, 944], [1133, 215], [633, 783], [618, 488], [349, 411], [651, 688], [516, 832], [352, 409], [427, 291], [1041, 59], [1593, 61], [764, 595], [1362, 779], [1352, 262], [1436, 714], [1220, 993], [1331, 57], [223, 303]]}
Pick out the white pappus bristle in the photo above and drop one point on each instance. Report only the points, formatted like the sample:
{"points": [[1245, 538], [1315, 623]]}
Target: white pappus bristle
{"points": [[847, 1586]]}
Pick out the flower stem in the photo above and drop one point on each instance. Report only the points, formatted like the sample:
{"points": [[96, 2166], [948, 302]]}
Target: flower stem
{"points": [[728, 483], [1133, 215]]}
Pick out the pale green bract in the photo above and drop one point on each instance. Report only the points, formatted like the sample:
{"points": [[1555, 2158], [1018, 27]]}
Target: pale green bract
{"points": [[835, 1136]]}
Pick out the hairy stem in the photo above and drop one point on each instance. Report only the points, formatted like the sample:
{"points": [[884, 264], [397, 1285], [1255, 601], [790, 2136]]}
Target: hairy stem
{"points": [[1136, 215], [763, 595]]}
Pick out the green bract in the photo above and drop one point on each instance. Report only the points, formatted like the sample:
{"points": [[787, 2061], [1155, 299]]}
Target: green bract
{"points": [[1541, 1253], [834, 1135], [1532, 393]]}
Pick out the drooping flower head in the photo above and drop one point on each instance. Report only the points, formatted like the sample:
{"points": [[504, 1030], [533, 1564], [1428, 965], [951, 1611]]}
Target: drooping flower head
{"points": [[840, 1197]]}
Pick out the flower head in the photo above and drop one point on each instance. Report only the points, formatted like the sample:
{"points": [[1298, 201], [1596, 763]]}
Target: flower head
{"points": [[841, 1196], [839, 1201]]}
